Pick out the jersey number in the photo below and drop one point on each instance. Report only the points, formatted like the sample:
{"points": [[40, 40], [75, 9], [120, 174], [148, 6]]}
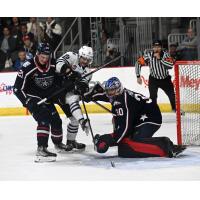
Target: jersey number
{"points": [[138, 97], [66, 57], [119, 112]]}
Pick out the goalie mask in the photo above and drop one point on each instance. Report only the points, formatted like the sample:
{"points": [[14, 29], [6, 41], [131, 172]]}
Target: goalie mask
{"points": [[86, 54], [113, 87]]}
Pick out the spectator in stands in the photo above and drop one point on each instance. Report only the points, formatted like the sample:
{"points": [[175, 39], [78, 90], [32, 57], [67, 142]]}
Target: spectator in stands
{"points": [[188, 46], [35, 28], [52, 32], [29, 47], [104, 42], [20, 60], [15, 26], [3, 23], [24, 32], [174, 53], [111, 54], [8, 48]]}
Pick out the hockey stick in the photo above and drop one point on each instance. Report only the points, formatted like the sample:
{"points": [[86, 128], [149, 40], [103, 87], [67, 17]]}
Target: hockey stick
{"points": [[106, 109], [86, 75], [86, 113]]}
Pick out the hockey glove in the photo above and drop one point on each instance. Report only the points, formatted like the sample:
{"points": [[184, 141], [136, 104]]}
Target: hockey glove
{"points": [[74, 76], [85, 125], [102, 142], [87, 97], [81, 87], [31, 105], [68, 85]]}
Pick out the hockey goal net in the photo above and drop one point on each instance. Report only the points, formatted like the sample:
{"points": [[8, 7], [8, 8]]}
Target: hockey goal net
{"points": [[187, 86]]}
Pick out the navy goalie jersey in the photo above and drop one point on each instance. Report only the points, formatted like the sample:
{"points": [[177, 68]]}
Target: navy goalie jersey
{"points": [[130, 110]]}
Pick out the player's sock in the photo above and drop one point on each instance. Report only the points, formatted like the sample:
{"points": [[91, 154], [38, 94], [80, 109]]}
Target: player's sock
{"points": [[56, 135], [76, 110], [42, 135]]}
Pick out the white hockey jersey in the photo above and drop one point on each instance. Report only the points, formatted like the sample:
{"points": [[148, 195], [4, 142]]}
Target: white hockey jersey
{"points": [[72, 60]]}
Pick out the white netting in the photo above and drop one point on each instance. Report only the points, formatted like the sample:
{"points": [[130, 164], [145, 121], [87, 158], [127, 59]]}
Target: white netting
{"points": [[189, 84]]}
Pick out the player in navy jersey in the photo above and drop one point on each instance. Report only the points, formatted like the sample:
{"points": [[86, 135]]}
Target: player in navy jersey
{"points": [[136, 118], [36, 80]]}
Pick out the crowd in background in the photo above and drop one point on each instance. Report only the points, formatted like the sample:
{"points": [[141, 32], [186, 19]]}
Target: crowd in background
{"points": [[19, 38], [185, 50]]}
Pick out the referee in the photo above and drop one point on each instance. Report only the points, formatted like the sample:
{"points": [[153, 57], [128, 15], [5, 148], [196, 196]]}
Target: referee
{"points": [[159, 63]]}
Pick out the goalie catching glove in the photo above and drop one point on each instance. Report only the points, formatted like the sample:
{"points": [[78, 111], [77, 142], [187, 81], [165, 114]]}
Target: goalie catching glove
{"points": [[103, 142]]}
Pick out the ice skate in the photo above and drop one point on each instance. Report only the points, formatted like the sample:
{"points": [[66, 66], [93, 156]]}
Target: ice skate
{"points": [[62, 147], [43, 155], [76, 145]]}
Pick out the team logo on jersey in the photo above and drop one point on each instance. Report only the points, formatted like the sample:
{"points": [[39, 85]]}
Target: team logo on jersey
{"points": [[45, 82], [27, 63]]}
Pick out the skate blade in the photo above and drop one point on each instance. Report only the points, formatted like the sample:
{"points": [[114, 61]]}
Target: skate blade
{"points": [[42, 159], [74, 150], [63, 151], [178, 154], [79, 150]]}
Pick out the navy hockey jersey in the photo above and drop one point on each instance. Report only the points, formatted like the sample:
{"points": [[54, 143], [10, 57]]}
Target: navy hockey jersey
{"points": [[130, 110], [32, 81]]}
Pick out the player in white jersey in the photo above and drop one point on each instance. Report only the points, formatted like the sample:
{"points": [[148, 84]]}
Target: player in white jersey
{"points": [[74, 66]]}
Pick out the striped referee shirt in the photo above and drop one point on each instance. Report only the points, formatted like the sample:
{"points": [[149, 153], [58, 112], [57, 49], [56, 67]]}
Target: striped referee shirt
{"points": [[158, 67]]}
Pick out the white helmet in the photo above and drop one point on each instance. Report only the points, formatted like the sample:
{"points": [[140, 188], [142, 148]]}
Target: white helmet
{"points": [[86, 52], [111, 46]]}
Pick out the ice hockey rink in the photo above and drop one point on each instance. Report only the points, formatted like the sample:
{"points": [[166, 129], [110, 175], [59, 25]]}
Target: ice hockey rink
{"points": [[18, 145]]}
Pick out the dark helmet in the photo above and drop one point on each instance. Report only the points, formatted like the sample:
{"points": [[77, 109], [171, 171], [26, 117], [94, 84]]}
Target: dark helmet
{"points": [[157, 43], [43, 48]]}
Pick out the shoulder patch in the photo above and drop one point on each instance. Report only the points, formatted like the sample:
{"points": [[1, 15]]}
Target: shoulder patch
{"points": [[26, 64]]}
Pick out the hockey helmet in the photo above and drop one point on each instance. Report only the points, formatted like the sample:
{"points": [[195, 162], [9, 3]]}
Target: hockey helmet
{"points": [[113, 87], [43, 48], [86, 52]]}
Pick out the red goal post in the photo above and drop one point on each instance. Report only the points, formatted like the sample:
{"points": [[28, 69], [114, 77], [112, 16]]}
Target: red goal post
{"points": [[187, 89]]}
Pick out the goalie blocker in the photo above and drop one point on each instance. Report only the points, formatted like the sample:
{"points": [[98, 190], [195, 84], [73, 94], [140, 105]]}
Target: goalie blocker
{"points": [[135, 119]]}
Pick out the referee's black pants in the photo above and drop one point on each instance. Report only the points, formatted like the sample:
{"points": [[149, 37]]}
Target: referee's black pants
{"points": [[166, 85]]}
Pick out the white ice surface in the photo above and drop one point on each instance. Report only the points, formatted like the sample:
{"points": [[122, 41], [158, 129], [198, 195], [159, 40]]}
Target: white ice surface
{"points": [[18, 145]]}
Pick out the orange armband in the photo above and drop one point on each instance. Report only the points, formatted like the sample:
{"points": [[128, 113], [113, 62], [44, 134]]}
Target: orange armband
{"points": [[141, 61]]}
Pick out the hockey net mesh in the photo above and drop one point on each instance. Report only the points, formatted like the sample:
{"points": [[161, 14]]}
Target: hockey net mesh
{"points": [[189, 88]]}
